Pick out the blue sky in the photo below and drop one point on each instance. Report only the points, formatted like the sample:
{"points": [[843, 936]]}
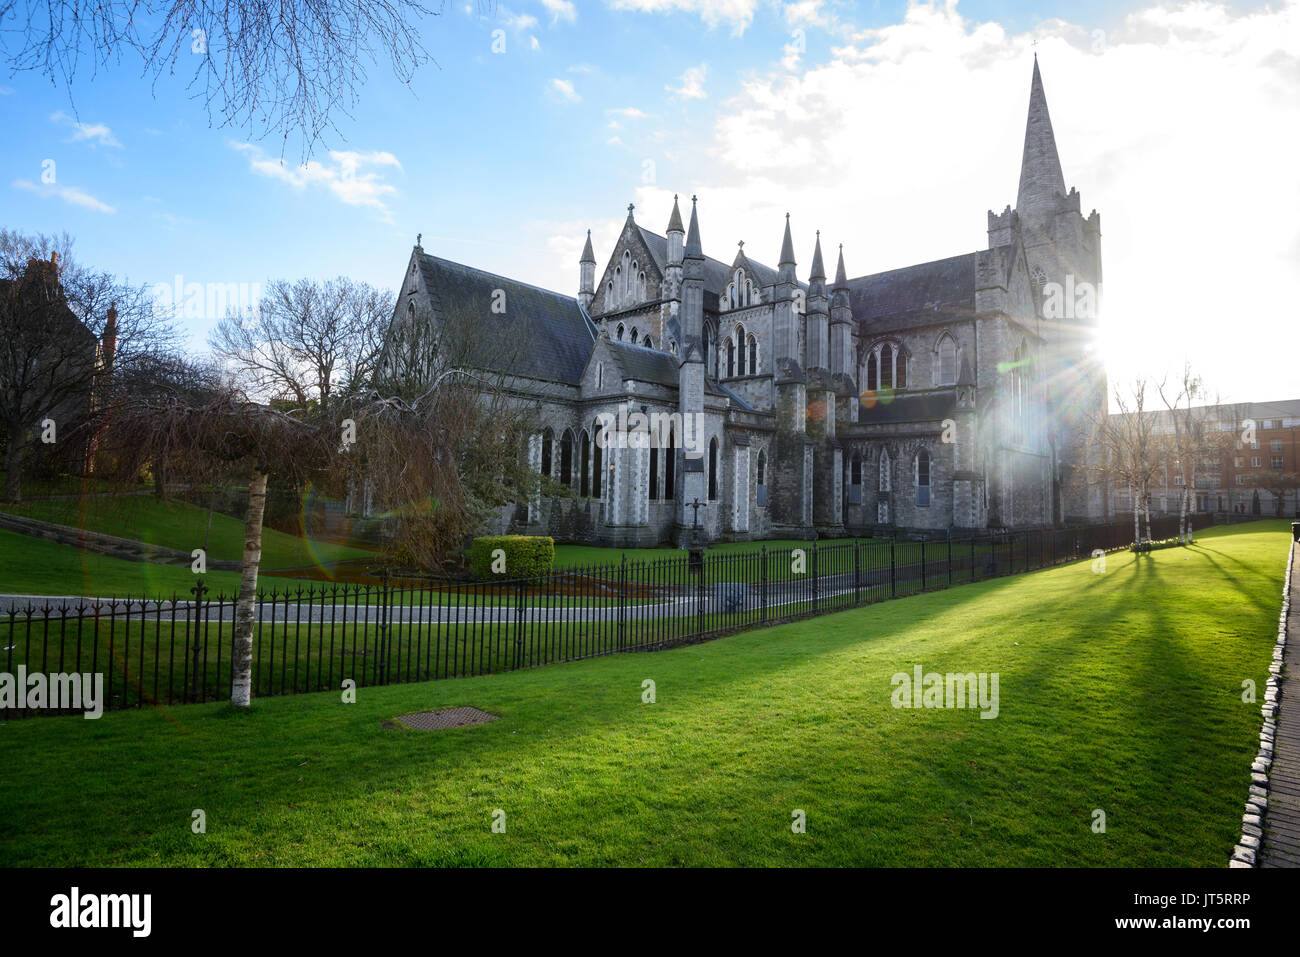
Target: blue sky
{"points": [[893, 130]]}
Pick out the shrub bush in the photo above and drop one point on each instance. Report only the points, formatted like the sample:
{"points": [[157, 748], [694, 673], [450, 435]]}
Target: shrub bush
{"points": [[526, 556]]}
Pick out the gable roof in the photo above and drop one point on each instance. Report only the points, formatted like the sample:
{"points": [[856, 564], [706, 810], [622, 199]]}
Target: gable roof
{"points": [[945, 287], [552, 333], [716, 273]]}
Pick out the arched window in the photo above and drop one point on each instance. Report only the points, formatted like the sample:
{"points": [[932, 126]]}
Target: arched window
{"points": [[548, 439], [884, 471], [584, 466], [900, 369], [731, 357], [740, 341], [923, 479], [762, 478], [947, 361], [648, 342], [620, 332], [713, 469], [886, 366], [410, 311], [855, 479], [670, 463], [873, 376], [753, 354], [634, 335], [597, 461], [654, 469], [566, 458]]}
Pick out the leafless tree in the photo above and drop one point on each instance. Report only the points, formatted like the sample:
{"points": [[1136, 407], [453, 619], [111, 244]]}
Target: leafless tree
{"points": [[1188, 438], [1133, 450], [307, 341], [64, 332], [284, 66]]}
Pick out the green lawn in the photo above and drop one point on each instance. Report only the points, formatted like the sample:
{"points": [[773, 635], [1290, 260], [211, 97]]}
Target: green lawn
{"points": [[182, 526], [1118, 691]]}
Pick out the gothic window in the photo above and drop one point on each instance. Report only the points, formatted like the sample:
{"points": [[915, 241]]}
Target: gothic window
{"points": [[873, 380], [597, 461], [753, 354], [886, 366], [566, 458], [731, 358], [670, 463], [713, 470], [740, 341], [884, 471], [548, 437], [654, 470], [584, 466], [762, 478], [900, 369], [855, 479], [620, 332], [947, 361], [640, 286], [634, 335], [600, 375], [923, 479]]}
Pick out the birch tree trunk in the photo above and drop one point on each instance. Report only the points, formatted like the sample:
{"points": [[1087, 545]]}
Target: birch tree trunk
{"points": [[241, 685], [1137, 528]]}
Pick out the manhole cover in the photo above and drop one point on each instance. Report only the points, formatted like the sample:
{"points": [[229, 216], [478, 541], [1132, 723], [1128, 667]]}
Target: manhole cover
{"points": [[446, 718]]}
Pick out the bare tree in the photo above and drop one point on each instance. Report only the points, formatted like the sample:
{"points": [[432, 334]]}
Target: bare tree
{"points": [[64, 330], [307, 340], [1133, 450], [285, 66], [1188, 438]]}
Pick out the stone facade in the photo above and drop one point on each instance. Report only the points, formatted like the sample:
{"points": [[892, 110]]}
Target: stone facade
{"points": [[947, 395]]}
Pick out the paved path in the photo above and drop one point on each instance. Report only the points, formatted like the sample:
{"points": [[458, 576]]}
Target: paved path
{"points": [[1280, 846]]}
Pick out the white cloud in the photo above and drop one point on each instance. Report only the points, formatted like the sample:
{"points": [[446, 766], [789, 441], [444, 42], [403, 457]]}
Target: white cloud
{"points": [[738, 13], [519, 21], [95, 133], [564, 90], [692, 87], [353, 178], [628, 112], [6, 91], [1181, 127], [69, 194], [560, 10]]}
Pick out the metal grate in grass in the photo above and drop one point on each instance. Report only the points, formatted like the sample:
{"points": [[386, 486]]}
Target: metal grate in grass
{"points": [[446, 718]]}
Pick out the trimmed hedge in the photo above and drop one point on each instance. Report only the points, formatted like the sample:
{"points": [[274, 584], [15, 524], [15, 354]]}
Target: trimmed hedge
{"points": [[526, 556]]}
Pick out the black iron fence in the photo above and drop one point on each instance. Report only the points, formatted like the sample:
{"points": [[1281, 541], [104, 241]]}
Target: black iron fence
{"points": [[178, 650]]}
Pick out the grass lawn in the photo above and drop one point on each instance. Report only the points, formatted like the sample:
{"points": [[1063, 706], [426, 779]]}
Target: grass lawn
{"points": [[182, 526], [1119, 691]]}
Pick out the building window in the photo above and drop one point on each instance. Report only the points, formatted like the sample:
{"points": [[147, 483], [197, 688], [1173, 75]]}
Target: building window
{"points": [[713, 470], [600, 375], [1276, 463], [731, 358], [753, 354], [855, 479], [1178, 480], [1275, 445], [1241, 479], [620, 332], [923, 479], [548, 437], [584, 465], [900, 370], [947, 361], [872, 373], [654, 471], [566, 459], [740, 343], [634, 334], [886, 366], [670, 463], [1254, 461], [597, 461], [762, 479]]}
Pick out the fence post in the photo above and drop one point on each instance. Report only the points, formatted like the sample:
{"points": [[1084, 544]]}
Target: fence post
{"points": [[385, 616], [814, 575], [622, 604], [198, 591], [763, 587], [923, 564], [857, 572], [893, 579]]}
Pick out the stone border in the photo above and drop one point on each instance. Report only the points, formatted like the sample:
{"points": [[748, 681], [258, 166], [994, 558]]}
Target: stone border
{"points": [[1246, 852]]}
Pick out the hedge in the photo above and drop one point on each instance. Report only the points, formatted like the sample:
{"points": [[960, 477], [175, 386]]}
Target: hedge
{"points": [[526, 556]]}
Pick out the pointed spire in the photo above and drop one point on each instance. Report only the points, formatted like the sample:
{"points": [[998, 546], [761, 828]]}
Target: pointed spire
{"points": [[787, 245], [693, 248], [1041, 179], [675, 221], [818, 270], [841, 278], [588, 255]]}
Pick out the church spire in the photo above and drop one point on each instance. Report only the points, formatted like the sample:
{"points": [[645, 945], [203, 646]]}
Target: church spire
{"points": [[818, 270], [588, 254], [841, 278], [787, 245], [693, 248], [675, 221], [1041, 180]]}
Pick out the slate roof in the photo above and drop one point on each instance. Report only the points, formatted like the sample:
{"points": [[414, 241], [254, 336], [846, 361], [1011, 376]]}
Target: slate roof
{"points": [[545, 335], [716, 273], [945, 287], [660, 368], [920, 407]]}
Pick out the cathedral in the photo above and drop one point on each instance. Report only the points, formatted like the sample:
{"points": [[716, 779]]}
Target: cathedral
{"points": [[953, 395]]}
